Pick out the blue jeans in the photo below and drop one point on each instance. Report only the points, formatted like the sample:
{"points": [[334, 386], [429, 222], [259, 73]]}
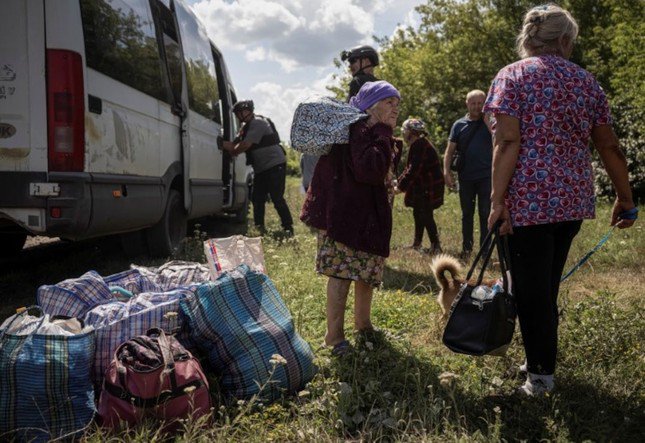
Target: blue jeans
{"points": [[468, 191]]}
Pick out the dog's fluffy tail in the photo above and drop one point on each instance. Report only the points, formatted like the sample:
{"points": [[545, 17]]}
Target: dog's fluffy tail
{"points": [[445, 263]]}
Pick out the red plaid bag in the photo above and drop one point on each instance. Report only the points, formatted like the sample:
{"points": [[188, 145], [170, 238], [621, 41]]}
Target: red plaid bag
{"points": [[153, 376]]}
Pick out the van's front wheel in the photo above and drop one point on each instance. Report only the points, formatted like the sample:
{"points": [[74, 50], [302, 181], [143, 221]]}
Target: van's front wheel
{"points": [[164, 237]]}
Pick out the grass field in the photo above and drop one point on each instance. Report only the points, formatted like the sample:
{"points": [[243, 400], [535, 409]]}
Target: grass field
{"points": [[407, 386]]}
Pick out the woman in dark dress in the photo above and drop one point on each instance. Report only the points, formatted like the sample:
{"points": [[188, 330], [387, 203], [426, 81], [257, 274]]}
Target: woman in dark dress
{"points": [[423, 183], [349, 202]]}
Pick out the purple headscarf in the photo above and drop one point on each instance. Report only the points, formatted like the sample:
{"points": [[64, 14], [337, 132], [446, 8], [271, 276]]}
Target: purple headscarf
{"points": [[373, 92]]}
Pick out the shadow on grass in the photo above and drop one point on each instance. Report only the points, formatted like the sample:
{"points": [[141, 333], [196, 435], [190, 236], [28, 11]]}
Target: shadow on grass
{"points": [[388, 393], [574, 412], [218, 227], [413, 282]]}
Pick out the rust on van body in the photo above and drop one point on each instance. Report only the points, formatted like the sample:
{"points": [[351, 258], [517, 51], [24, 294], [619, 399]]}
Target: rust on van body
{"points": [[91, 131], [14, 152]]}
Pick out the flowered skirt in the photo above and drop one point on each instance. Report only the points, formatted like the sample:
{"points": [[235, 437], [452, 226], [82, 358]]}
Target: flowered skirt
{"points": [[335, 259]]}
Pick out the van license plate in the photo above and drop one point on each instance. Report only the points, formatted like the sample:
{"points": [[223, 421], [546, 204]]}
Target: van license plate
{"points": [[44, 189]]}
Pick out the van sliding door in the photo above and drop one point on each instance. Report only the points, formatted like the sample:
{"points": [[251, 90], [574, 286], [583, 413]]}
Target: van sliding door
{"points": [[225, 105], [203, 121]]}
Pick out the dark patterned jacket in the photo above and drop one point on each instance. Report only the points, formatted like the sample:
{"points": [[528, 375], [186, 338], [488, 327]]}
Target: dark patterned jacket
{"points": [[348, 196], [422, 180]]}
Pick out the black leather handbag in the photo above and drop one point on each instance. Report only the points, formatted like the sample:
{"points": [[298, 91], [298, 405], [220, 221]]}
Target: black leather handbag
{"points": [[482, 320]]}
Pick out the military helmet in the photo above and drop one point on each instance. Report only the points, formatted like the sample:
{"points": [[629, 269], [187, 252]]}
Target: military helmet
{"points": [[243, 105], [359, 52]]}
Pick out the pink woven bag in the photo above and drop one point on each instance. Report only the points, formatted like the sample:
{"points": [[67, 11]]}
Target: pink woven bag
{"points": [[153, 376]]}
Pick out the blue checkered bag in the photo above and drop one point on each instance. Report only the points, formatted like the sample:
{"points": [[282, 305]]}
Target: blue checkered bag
{"points": [[75, 296], [153, 305], [240, 322], [45, 386], [320, 122]]}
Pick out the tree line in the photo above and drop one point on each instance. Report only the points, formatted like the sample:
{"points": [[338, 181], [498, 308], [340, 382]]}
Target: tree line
{"points": [[460, 45]]}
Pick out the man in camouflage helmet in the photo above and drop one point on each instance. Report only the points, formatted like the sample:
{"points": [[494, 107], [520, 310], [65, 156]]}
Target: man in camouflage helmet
{"points": [[259, 139], [362, 60]]}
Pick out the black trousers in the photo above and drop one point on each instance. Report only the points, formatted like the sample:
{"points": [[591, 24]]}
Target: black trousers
{"points": [[468, 191], [538, 256], [424, 220], [271, 182]]}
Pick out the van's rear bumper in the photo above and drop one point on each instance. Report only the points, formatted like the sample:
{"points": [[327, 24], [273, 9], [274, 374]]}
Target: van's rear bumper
{"points": [[73, 201]]}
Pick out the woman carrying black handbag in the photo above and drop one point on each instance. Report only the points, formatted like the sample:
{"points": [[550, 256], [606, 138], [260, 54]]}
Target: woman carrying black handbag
{"points": [[542, 184], [482, 317]]}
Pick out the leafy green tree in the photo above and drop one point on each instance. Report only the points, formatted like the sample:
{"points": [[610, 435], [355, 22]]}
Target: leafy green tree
{"points": [[461, 44]]}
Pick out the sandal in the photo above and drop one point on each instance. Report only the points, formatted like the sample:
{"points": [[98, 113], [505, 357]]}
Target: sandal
{"points": [[342, 348]]}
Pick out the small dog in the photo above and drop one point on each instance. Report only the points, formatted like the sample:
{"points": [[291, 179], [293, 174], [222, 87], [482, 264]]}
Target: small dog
{"points": [[450, 286]]}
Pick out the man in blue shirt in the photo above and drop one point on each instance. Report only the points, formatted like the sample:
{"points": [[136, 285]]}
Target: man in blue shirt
{"points": [[470, 138]]}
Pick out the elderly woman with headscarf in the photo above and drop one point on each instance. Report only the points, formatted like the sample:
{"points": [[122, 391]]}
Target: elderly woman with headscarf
{"points": [[423, 183], [349, 202], [546, 109]]}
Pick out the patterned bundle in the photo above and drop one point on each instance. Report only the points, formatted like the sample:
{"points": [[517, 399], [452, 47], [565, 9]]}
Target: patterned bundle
{"points": [[320, 122]]}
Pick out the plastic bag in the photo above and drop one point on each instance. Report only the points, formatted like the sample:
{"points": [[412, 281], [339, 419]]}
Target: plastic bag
{"points": [[225, 254]]}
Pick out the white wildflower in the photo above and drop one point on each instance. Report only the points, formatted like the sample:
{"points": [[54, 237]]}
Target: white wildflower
{"points": [[277, 359], [447, 379]]}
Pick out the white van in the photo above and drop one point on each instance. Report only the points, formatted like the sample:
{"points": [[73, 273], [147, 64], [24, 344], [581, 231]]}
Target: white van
{"points": [[110, 111]]}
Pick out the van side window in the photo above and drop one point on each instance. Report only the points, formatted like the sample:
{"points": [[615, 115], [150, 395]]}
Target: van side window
{"points": [[172, 50], [120, 42], [203, 93], [236, 122]]}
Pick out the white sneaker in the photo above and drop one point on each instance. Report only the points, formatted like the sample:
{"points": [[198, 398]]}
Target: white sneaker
{"points": [[537, 385]]}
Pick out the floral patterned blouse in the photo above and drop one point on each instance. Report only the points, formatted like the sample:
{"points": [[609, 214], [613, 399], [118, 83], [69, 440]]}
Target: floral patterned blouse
{"points": [[557, 103]]}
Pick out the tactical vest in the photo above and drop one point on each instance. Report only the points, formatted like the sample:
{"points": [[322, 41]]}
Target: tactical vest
{"points": [[266, 141]]}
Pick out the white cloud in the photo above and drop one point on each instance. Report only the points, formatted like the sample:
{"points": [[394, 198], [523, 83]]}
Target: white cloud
{"points": [[280, 51], [279, 102], [294, 33]]}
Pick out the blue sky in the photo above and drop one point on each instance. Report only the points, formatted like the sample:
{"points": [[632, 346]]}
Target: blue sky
{"points": [[281, 51]]}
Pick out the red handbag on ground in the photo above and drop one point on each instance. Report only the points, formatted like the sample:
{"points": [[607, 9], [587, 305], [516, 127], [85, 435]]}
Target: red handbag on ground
{"points": [[153, 376]]}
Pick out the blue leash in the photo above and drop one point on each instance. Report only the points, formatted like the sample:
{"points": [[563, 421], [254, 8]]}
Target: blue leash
{"points": [[632, 214]]}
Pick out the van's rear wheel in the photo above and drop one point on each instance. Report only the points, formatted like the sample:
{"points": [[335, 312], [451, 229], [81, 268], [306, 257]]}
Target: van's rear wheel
{"points": [[11, 243], [167, 234]]}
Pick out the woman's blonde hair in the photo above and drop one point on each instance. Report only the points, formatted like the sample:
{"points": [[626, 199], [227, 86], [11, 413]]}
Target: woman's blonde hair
{"points": [[542, 30]]}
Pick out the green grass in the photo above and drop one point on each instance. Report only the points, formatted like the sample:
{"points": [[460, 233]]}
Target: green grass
{"points": [[406, 386]]}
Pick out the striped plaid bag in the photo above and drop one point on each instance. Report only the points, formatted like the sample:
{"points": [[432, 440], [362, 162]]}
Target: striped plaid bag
{"points": [[75, 296], [241, 322], [45, 386], [152, 305]]}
